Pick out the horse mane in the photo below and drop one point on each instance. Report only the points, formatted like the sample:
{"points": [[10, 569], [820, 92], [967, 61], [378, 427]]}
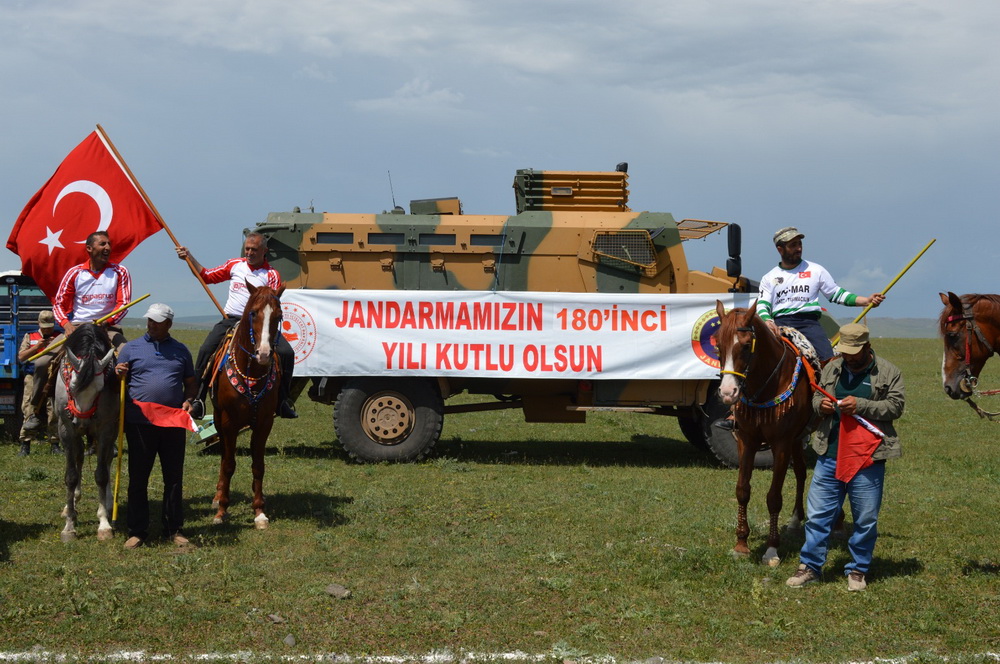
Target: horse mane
{"points": [[88, 341], [969, 300]]}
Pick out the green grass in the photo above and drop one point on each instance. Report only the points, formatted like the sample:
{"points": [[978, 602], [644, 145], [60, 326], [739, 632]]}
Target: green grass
{"points": [[571, 541]]}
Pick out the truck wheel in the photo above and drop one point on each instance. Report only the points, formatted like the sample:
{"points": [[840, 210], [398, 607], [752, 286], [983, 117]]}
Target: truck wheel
{"points": [[720, 442], [382, 419]]}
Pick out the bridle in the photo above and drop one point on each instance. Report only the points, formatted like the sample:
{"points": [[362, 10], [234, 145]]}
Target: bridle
{"points": [[742, 377], [969, 379]]}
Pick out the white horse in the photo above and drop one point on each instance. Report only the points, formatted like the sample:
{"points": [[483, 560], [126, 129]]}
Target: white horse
{"points": [[87, 403]]}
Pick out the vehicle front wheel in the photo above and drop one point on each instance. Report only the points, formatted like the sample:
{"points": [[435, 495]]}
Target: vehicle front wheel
{"points": [[388, 419]]}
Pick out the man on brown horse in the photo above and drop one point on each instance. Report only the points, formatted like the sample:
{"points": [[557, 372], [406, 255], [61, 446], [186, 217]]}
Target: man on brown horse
{"points": [[853, 441], [789, 296], [252, 268]]}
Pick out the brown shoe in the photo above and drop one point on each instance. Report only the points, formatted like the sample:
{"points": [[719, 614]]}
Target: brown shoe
{"points": [[803, 576], [133, 543], [856, 581], [181, 541]]}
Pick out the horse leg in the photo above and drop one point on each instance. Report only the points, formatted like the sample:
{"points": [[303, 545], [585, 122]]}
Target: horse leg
{"points": [[102, 475], [799, 468], [74, 469], [774, 501], [258, 443], [747, 453], [227, 466]]}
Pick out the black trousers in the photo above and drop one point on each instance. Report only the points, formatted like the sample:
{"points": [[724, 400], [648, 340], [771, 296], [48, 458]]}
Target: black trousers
{"points": [[145, 443], [218, 334]]}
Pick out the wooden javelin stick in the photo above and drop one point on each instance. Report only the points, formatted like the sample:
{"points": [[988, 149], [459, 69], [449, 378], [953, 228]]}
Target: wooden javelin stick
{"points": [[121, 451], [885, 290], [96, 322], [159, 218]]}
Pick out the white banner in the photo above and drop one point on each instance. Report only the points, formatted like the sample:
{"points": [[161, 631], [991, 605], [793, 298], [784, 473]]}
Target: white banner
{"points": [[503, 334]]}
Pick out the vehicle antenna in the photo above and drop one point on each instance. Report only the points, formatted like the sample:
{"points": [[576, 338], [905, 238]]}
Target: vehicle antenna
{"points": [[391, 192]]}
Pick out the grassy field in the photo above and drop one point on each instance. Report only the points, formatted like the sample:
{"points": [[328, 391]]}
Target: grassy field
{"points": [[569, 541]]}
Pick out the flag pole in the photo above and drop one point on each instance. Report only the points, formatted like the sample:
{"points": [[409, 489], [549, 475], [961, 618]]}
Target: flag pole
{"points": [[892, 283], [100, 320], [156, 213]]}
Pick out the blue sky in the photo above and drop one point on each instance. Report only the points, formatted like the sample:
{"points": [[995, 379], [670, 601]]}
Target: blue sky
{"points": [[869, 124]]}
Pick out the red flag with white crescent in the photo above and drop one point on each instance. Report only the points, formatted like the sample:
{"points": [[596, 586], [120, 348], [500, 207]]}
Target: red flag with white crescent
{"points": [[90, 191]]}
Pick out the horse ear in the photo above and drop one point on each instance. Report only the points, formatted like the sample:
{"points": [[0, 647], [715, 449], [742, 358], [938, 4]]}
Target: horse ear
{"points": [[954, 300], [106, 360], [753, 308], [250, 287], [719, 309]]}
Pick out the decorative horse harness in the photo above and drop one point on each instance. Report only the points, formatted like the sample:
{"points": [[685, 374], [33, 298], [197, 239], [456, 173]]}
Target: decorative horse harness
{"points": [[254, 388], [779, 402]]}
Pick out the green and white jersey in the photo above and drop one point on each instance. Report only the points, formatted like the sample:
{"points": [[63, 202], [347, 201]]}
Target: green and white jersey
{"points": [[796, 291]]}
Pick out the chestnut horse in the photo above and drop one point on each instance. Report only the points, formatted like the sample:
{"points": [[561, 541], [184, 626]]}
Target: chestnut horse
{"points": [[970, 327], [86, 401], [767, 382], [245, 393]]}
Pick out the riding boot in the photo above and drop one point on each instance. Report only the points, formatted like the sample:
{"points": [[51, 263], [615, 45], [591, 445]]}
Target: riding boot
{"points": [[285, 408]]}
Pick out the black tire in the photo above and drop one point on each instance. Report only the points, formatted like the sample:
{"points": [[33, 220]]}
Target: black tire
{"points": [[388, 419], [721, 442]]}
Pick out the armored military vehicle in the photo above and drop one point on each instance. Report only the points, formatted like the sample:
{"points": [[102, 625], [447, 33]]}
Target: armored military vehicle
{"points": [[572, 233], [21, 300]]}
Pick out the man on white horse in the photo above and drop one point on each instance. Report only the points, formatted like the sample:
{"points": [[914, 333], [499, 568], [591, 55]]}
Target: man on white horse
{"points": [[253, 268], [93, 289]]}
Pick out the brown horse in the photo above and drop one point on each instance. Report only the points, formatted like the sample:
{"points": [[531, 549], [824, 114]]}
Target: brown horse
{"points": [[970, 327], [766, 381], [245, 393]]}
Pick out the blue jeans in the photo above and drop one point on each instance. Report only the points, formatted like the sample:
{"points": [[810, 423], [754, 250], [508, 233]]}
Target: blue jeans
{"points": [[812, 330], [826, 495]]}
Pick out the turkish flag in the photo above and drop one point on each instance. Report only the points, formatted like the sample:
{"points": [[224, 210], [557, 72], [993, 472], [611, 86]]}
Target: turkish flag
{"points": [[165, 416], [858, 441], [90, 191]]}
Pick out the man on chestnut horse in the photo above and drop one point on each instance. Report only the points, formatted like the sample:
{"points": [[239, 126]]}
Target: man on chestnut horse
{"points": [[789, 297], [252, 268]]}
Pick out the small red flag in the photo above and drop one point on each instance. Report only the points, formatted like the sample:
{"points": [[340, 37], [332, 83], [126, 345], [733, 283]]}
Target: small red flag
{"points": [[165, 416], [855, 447], [90, 191]]}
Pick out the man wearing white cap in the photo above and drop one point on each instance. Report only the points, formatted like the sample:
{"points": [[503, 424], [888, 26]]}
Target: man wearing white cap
{"points": [[855, 437], [789, 293], [159, 370]]}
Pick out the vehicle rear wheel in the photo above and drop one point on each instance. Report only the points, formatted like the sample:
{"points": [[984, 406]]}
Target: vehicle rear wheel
{"points": [[721, 442], [382, 419]]}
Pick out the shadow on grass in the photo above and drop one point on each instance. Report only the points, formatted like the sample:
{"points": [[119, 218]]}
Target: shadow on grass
{"points": [[980, 567], [329, 450], [641, 451], [12, 532]]}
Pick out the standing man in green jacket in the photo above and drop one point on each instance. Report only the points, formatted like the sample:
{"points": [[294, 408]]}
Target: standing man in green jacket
{"points": [[854, 439]]}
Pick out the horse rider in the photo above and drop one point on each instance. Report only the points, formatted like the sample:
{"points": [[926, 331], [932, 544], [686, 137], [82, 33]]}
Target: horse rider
{"points": [[868, 386], [33, 343], [93, 289], [252, 268], [789, 297]]}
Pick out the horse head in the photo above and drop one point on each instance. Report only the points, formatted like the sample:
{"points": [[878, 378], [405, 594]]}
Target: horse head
{"points": [[966, 346], [736, 341], [263, 315], [88, 354]]}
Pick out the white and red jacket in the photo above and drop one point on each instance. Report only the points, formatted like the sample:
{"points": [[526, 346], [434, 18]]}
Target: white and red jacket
{"points": [[236, 271], [84, 296]]}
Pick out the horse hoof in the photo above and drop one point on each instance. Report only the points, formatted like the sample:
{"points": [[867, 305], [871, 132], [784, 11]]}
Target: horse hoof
{"points": [[770, 557], [739, 555], [260, 522], [219, 520], [67, 537], [105, 535]]}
